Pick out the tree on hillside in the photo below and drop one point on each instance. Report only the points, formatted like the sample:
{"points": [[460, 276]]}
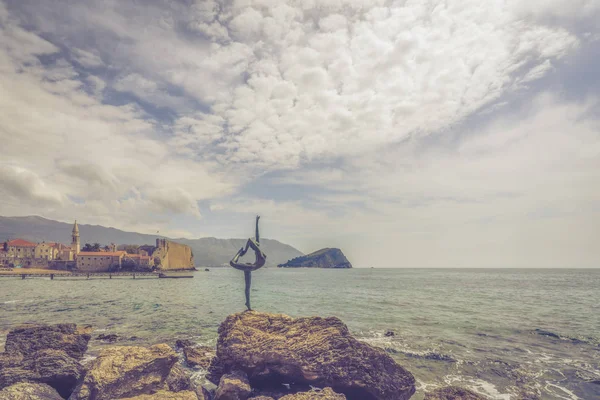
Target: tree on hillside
{"points": [[91, 247], [130, 248]]}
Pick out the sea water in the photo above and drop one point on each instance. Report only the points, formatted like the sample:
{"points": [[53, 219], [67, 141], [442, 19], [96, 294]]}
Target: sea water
{"points": [[496, 331]]}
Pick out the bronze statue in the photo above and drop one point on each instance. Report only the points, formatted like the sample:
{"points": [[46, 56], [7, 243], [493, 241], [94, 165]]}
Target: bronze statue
{"points": [[259, 261]]}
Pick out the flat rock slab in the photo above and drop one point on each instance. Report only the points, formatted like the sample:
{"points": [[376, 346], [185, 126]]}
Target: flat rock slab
{"points": [[29, 391], [325, 394], [127, 371], [273, 349], [453, 393], [166, 395]]}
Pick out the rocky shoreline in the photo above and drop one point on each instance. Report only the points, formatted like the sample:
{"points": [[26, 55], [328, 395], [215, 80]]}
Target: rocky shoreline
{"points": [[259, 356]]}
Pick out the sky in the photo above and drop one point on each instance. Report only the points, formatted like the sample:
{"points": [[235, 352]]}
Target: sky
{"points": [[406, 133]]}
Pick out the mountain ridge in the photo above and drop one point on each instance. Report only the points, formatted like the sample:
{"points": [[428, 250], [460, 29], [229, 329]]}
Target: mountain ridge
{"points": [[208, 251]]}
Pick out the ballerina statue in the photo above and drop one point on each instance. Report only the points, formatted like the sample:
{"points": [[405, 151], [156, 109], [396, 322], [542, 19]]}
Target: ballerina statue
{"points": [[260, 260]]}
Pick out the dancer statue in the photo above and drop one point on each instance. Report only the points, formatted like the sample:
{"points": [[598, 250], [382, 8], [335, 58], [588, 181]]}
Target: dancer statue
{"points": [[261, 257]]}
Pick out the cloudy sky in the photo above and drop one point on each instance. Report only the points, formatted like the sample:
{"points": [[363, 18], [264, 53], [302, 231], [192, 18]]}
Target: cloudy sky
{"points": [[408, 133]]}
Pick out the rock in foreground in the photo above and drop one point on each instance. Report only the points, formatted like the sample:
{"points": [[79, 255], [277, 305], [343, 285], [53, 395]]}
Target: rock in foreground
{"points": [[29, 391], [324, 258], [28, 339], [273, 349], [453, 393], [46, 354], [128, 371]]}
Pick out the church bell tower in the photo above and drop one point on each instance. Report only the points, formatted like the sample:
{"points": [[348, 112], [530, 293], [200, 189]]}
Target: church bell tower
{"points": [[75, 245]]}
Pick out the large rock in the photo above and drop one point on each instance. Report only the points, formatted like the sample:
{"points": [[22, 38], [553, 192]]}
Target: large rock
{"points": [[28, 339], [324, 258], [325, 394], [29, 391], [127, 371], [273, 349], [453, 393], [234, 386], [52, 367]]}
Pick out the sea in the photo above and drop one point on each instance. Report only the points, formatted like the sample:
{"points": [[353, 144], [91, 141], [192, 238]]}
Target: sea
{"points": [[500, 332]]}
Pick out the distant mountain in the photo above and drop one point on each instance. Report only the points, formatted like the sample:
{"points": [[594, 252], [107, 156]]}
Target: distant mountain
{"points": [[207, 251]]}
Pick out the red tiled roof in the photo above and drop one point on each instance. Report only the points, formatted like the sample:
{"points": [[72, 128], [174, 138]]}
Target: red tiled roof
{"points": [[101, 253], [21, 243]]}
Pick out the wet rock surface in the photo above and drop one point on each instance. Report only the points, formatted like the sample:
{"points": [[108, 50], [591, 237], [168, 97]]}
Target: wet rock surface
{"points": [[275, 349], [453, 393], [29, 391]]}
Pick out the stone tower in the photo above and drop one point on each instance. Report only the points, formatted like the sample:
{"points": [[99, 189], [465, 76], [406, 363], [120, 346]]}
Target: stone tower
{"points": [[75, 245]]}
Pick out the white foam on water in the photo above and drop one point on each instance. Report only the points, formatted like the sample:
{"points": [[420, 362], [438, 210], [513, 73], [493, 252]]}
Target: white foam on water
{"points": [[425, 386], [478, 385], [11, 301], [566, 393], [87, 359]]}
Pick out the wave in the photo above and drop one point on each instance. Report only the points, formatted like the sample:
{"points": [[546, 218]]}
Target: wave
{"points": [[576, 340]]}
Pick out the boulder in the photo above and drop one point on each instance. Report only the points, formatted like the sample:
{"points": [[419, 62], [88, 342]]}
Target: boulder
{"points": [[325, 394], [29, 391], [234, 386], [453, 393], [274, 349], [52, 367], [28, 339], [165, 395], [178, 379], [127, 371], [199, 356]]}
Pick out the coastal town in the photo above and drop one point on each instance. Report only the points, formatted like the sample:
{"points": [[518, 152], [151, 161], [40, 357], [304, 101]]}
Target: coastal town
{"points": [[20, 253]]}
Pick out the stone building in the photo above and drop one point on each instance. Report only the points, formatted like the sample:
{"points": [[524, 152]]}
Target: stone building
{"points": [[99, 261], [45, 251], [19, 248]]}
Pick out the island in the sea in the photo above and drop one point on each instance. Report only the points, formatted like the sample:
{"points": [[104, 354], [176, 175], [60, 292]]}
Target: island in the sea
{"points": [[324, 258]]}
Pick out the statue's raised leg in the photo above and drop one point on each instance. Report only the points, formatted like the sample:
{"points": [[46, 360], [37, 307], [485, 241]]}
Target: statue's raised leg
{"points": [[248, 279]]}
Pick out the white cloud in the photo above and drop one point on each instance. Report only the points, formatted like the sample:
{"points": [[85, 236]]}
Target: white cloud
{"points": [[86, 58], [287, 87], [23, 185]]}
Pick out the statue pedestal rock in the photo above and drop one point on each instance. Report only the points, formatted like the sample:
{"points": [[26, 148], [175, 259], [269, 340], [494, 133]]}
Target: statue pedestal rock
{"points": [[259, 261]]}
